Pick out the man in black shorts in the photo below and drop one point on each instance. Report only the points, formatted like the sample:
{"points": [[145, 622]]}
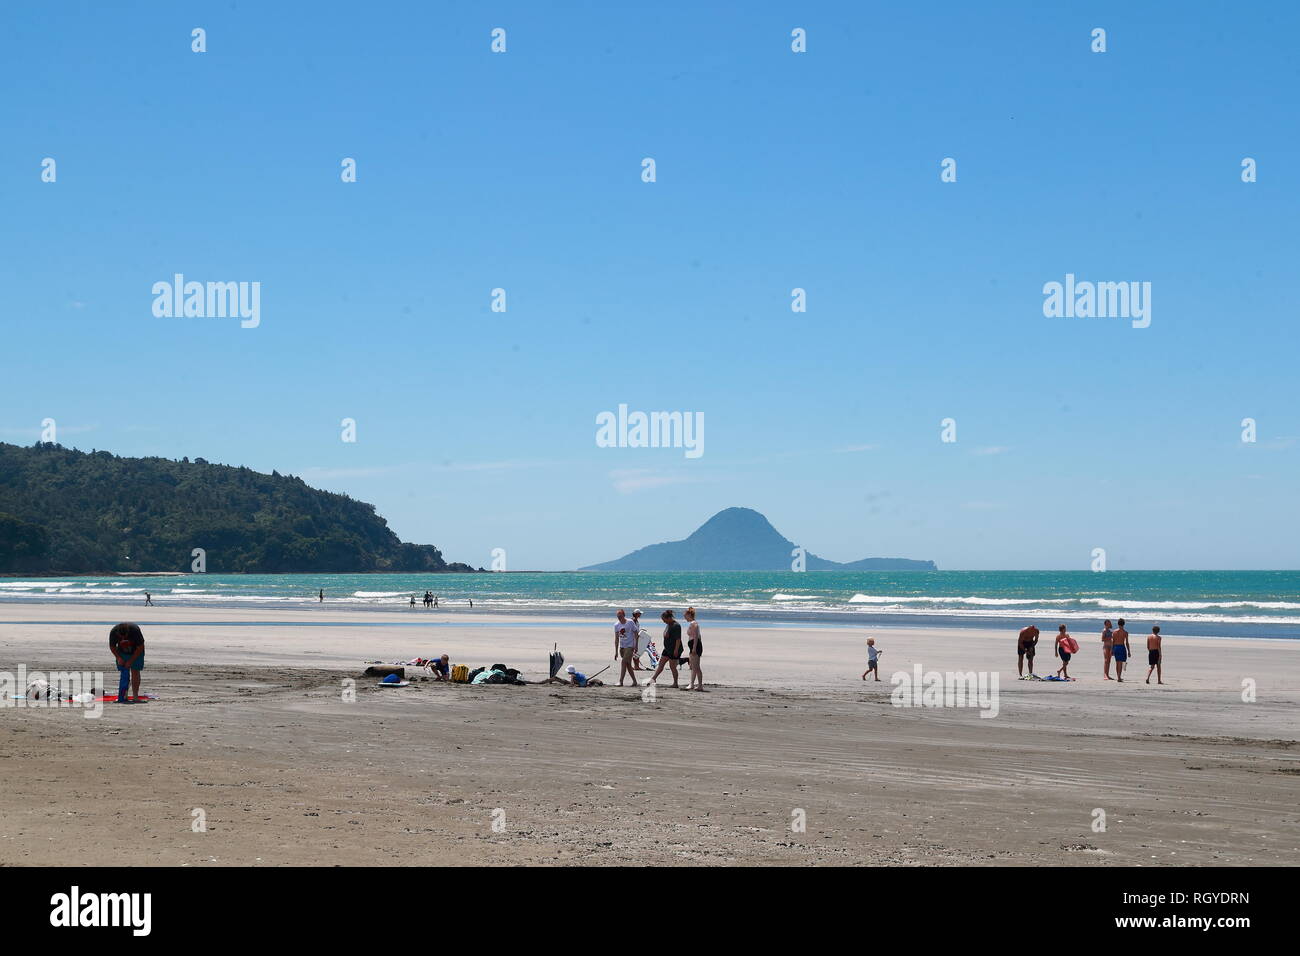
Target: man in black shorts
{"points": [[1155, 656], [1025, 648]]}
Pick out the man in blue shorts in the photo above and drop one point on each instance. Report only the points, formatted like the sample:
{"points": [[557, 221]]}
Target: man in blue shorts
{"points": [[1120, 650]]}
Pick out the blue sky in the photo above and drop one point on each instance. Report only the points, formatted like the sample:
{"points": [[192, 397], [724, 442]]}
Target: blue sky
{"points": [[775, 170]]}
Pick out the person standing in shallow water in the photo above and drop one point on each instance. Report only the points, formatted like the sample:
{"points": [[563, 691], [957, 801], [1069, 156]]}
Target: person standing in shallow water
{"points": [[322, 595], [672, 649]]}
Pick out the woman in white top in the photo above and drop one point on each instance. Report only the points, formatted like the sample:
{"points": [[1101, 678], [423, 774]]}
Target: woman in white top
{"points": [[695, 650]]}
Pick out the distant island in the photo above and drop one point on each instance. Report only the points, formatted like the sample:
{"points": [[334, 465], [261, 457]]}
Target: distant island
{"points": [[72, 512], [741, 539]]}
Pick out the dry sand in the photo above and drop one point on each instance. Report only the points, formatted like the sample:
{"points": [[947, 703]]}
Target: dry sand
{"points": [[252, 729]]}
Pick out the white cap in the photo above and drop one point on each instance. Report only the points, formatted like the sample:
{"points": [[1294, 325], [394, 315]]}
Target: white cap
{"points": [[637, 611], [571, 669]]}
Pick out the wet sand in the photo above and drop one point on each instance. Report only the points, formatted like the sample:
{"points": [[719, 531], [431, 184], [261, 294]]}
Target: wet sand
{"points": [[252, 729]]}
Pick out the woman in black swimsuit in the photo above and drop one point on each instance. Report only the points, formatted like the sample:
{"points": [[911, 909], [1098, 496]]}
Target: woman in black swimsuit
{"points": [[695, 644]]}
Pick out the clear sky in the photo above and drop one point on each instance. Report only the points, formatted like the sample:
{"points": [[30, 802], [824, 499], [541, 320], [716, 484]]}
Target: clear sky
{"points": [[775, 170]]}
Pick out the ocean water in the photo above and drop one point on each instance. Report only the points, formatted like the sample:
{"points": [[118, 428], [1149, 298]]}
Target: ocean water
{"points": [[1228, 603]]}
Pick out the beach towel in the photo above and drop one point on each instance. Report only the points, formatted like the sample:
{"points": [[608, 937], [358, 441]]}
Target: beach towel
{"points": [[652, 652], [1054, 677]]}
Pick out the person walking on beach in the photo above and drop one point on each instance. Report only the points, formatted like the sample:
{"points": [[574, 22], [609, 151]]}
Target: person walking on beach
{"points": [[148, 599], [624, 647], [127, 644], [634, 626], [1107, 643], [873, 659], [322, 596], [695, 651], [1062, 636], [1025, 648], [672, 650], [1120, 650], [1155, 656]]}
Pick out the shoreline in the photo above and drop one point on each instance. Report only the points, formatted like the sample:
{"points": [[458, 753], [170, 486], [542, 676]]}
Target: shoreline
{"points": [[736, 617]]}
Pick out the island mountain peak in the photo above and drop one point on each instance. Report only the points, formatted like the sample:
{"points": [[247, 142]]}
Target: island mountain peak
{"points": [[740, 539]]}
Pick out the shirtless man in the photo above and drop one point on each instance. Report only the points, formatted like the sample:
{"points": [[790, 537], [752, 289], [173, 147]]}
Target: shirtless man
{"points": [[1107, 642], [1060, 651], [1155, 656], [1025, 648], [1120, 650]]}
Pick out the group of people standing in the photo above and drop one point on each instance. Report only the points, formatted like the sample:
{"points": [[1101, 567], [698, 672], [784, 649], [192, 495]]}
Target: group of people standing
{"points": [[628, 636], [1115, 648]]}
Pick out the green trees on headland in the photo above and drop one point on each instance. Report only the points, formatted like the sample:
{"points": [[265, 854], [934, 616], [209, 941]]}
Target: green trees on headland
{"points": [[63, 510]]}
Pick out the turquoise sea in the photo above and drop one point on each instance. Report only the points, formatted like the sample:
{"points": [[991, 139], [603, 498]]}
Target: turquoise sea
{"points": [[1229, 603]]}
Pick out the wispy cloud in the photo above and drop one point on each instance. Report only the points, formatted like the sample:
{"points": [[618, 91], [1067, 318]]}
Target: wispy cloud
{"points": [[318, 473], [332, 474], [848, 449], [628, 481], [513, 465]]}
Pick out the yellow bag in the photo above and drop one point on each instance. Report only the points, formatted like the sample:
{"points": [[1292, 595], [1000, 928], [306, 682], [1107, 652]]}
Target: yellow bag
{"points": [[460, 674]]}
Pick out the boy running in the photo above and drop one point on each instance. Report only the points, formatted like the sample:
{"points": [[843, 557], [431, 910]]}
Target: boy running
{"points": [[873, 658]]}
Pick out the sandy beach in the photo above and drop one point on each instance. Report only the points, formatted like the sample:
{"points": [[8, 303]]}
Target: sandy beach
{"points": [[251, 729]]}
